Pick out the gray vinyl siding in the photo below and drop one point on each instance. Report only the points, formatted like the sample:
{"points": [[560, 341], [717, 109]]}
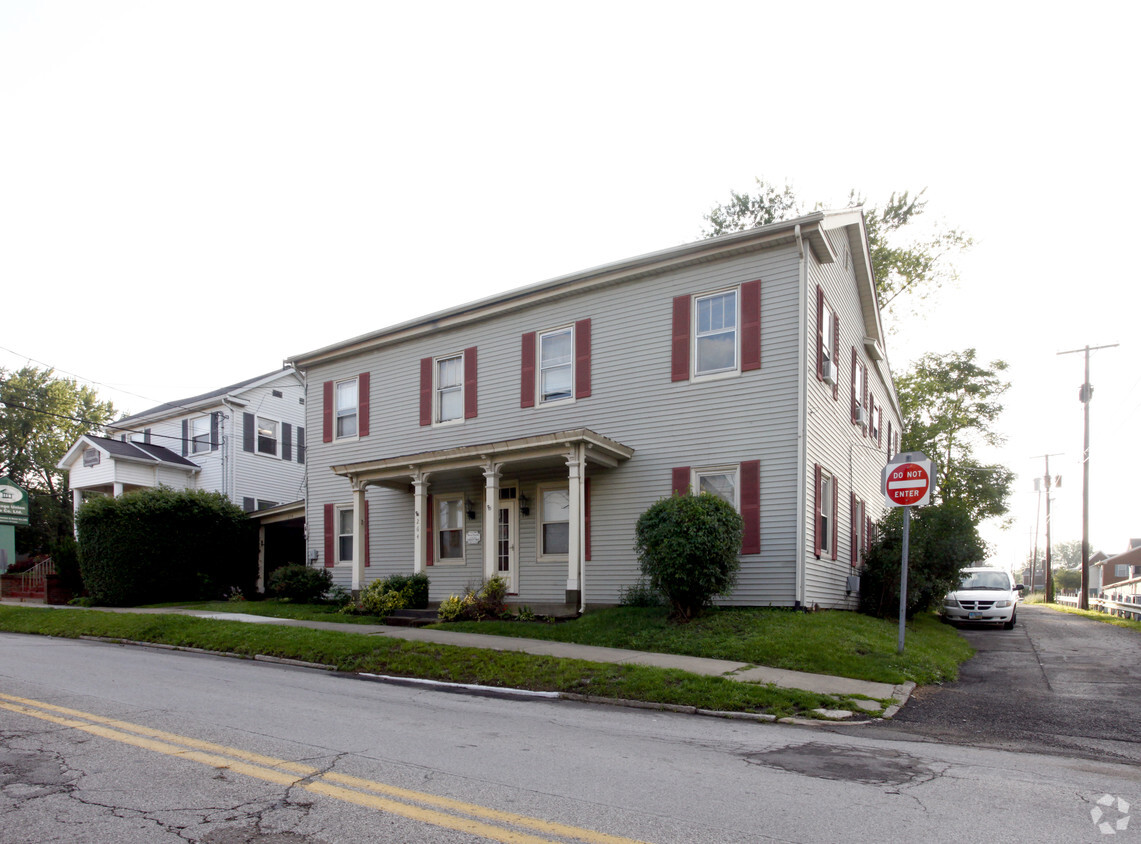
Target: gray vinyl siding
{"points": [[833, 441], [752, 416]]}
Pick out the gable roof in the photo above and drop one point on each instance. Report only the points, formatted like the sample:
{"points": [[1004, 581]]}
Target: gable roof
{"points": [[809, 228], [131, 452], [193, 403]]}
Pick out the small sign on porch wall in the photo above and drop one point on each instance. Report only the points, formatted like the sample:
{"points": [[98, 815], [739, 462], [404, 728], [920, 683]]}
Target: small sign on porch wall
{"points": [[472, 537], [91, 457]]}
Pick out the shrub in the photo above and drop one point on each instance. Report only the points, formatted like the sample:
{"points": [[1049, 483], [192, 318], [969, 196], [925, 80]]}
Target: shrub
{"points": [[688, 546], [477, 603], [300, 583], [942, 541], [154, 545], [641, 594], [65, 553]]}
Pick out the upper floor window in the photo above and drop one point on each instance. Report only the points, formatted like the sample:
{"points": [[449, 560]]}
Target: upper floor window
{"points": [[450, 528], [449, 388], [556, 365], [715, 333], [347, 395], [877, 421], [199, 434], [267, 436]]}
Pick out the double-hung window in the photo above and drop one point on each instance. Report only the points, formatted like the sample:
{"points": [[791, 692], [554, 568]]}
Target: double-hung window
{"points": [[267, 436], [827, 497], [450, 528], [347, 399], [450, 388], [199, 434], [554, 521], [720, 482], [715, 333], [344, 534], [556, 365], [827, 329]]}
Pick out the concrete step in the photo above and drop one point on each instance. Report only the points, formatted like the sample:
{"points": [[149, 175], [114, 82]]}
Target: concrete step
{"points": [[411, 618]]}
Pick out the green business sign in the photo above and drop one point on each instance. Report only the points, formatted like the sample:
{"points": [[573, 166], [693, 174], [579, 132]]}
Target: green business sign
{"points": [[13, 504]]}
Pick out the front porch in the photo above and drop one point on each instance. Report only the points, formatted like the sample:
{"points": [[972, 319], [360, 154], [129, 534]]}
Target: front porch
{"points": [[532, 526]]}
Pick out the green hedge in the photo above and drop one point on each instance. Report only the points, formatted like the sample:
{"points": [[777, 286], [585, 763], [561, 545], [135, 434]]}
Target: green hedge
{"points": [[155, 545]]}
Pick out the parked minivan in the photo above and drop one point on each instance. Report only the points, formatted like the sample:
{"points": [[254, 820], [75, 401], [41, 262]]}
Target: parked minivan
{"points": [[985, 595]]}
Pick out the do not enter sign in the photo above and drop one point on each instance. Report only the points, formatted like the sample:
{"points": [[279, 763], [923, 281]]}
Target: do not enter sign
{"points": [[908, 483]]}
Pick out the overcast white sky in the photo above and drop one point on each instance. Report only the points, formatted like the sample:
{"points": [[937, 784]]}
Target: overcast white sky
{"points": [[191, 192]]}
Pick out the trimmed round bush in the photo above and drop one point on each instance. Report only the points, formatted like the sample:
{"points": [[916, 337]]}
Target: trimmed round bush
{"points": [[299, 583], [688, 547]]}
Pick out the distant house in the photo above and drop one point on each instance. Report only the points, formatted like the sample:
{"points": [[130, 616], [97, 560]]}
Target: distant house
{"points": [[1121, 567], [246, 441], [522, 435]]}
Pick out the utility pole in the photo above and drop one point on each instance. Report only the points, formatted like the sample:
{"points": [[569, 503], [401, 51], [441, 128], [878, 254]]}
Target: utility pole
{"points": [[1084, 395], [1037, 517], [1047, 482]]}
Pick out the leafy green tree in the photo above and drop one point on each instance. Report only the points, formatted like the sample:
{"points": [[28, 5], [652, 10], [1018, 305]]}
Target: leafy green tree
{"points": [[688, 546], [1064, 555], [1068, 579], [950, 406], [41, 416], [917, 264], [943, 540]]}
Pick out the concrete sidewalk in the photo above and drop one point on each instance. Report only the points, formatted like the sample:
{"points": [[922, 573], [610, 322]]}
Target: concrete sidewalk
{"points": [[742, 671]]}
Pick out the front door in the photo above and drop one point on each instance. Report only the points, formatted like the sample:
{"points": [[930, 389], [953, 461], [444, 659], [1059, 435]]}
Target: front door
{"points": [[507, 538]]}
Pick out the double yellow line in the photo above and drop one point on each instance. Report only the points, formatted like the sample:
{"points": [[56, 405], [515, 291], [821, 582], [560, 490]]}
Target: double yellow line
{"points": [[433, 809]]}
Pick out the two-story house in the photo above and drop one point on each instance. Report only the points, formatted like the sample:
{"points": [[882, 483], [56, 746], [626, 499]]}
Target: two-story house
{"points": [[246, 441], [522, 435]]}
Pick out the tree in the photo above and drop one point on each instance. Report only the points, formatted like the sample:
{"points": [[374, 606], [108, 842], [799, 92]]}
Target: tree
{"points": [[950, 404], [918, 266], [41, 416]]}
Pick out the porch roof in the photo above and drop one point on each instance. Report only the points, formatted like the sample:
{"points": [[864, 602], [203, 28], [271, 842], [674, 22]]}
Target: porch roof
{"points": [[131, 452], [600, 450]]}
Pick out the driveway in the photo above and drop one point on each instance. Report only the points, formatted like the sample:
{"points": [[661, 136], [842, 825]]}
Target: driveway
{"points": [[1056, 682]]}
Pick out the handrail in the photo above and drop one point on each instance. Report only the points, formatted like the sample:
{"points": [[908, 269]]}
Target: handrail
{"points": [[36, 578]]}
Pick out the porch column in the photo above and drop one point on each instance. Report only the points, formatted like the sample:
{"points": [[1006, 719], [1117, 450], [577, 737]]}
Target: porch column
{"points": [[420, 496], [76, 503], [490, 517], [117, 490], [358, 535], [574, 528]]}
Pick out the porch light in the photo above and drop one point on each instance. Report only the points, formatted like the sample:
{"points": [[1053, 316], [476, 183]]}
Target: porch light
{"points": [[524, 505]]}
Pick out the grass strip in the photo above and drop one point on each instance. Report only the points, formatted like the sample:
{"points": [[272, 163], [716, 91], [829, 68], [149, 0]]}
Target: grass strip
{"points": [[356, 653], [1096, 615]]}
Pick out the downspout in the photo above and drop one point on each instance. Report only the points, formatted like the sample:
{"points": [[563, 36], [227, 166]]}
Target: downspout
{"points": [[801, 423], [581, 448], [228, 488]]}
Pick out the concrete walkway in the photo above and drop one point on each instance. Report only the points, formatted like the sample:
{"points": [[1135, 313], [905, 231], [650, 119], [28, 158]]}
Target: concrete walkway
{"points": [[745, 672]]}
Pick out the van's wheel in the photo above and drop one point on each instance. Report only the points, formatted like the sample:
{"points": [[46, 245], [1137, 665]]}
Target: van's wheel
{"points": [[1009, 625]]}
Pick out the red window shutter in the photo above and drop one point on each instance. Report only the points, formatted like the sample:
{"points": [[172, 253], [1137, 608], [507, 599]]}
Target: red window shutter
{"points": [[425, 391], [681, 480], [430, 533], [836, 355], [471, 395], [362, 404], [751, 506], [586, 515], [527, 372], [854, 520], [327, 412], [817, 540], [750, 326], [680, 354], [582, 359], [855, 363], [330, 535], [835, 511], [367, 553], [819, 333]]}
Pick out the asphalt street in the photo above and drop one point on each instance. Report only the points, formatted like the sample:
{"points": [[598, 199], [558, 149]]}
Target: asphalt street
{"points": [[1056, 682]]}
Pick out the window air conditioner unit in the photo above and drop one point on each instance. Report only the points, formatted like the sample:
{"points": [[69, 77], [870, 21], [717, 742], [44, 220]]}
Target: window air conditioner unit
{"points": [[829, 372], [861, 416]]}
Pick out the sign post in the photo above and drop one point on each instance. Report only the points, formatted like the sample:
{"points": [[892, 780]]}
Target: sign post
{"points": [[907, 481], [13, 511]]}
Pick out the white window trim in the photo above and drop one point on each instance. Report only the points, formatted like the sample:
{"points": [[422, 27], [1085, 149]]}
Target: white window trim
{"points": [[192, 435], [277, 441], [459, 420], [451, 561], [357, 395], [541, 402], [539, 555], [733, 469], [339, 509], [827, 481], [827, 332], [723, 373]]}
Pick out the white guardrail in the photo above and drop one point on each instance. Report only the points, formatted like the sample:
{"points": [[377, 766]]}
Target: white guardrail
{"points": [[1122, 609]]}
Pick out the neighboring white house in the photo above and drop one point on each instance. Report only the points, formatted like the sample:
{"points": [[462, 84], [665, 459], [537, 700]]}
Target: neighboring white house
{"points": [[523, 434], [246, 441]]}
